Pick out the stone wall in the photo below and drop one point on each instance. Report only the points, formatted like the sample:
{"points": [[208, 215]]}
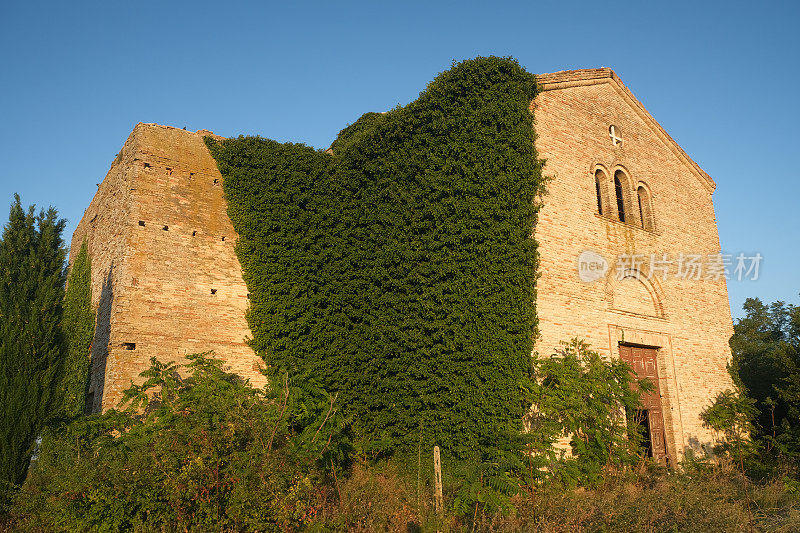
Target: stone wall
{"points": [[165, 275], [689, 321]]}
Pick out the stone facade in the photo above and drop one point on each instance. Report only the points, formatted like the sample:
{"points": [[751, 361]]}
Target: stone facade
{"points": [[688, 321], [165, 276], [167, 282]]}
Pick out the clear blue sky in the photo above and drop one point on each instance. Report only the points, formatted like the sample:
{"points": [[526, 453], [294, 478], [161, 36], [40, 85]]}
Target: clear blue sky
{"points": [[721, 77]]}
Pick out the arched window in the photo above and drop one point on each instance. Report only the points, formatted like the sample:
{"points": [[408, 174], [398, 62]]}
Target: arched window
{"points": [[599, 188], [620, 197], [645, 209]]}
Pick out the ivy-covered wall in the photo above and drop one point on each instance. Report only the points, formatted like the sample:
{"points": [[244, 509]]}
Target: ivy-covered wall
{"points": [[78, 326], [399, 271]]}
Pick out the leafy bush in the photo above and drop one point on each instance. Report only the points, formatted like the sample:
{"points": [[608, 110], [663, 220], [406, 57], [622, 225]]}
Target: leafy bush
{"points": [[209, 452], [578, 395], [731, 417], [206, 452], [399, 271]]}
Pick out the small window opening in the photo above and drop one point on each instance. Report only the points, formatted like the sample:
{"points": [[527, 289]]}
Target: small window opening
{"points": [[128, 345], [147, 165], [598, 175], [141, 223], [165, 228], [615, 134], [620, 199], [645, 209], [213, 291], [194, 233], [223, 238], [216, 181], [169, 171]]}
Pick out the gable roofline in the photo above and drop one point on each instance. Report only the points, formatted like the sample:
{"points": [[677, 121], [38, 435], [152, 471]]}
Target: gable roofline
{"points": [[595, 76]]}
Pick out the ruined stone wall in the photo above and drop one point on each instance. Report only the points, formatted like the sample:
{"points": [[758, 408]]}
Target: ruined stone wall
{"points": [[165, 276], [688, 321]]}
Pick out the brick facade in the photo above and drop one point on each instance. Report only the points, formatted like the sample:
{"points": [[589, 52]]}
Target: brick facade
{"points": [[165, 276], [688, 321], [167, 283]]}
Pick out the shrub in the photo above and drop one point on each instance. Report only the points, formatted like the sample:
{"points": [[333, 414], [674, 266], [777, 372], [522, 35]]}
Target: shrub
{"points": [[205, 452], [578, 395]]}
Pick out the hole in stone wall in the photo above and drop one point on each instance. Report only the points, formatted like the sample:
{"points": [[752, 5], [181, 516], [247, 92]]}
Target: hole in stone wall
{"points": [[128, 345], [169, 171], [194, 233], [223, 238], [141, 223], [89, 407], [165, 228], [147, 165], [213, 291], [216, 181]]}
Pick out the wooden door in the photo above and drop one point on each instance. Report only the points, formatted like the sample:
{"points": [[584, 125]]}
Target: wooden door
{"points": [[645, 365]]}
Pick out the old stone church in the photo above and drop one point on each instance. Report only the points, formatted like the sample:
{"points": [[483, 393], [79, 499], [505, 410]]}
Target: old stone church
{"points": [[627, 238]]}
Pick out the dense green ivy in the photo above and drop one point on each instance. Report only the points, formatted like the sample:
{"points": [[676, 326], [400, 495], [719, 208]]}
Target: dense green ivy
{"points": [[78, 327], [399, 270]]}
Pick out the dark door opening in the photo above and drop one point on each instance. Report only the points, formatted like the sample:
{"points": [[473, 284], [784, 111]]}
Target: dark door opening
{"points": [[650, 418], [641, 427]]}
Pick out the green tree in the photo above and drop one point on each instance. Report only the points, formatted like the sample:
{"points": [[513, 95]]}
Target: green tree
{"points": [[32, 277], [766, 365], [731, 415], [579, 395], [78, 326]]}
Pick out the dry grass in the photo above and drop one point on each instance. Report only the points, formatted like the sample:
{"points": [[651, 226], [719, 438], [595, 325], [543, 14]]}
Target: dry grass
{"points": [[382, 499]]}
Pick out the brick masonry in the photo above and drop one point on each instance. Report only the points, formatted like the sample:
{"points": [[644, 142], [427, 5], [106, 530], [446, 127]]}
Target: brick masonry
{"points": [[688, 321], [173, 286]]}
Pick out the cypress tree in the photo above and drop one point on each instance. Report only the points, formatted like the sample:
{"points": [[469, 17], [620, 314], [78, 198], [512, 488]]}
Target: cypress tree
{"points": [[78, 327], [32, 277]]}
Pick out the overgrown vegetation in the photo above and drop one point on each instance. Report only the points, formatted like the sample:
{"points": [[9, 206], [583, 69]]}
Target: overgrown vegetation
{"points": [[201, 453], [392, 290], [32, 276], [399, 270], [592, 402], [766, 365], [78, 326], [207, 452]]}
